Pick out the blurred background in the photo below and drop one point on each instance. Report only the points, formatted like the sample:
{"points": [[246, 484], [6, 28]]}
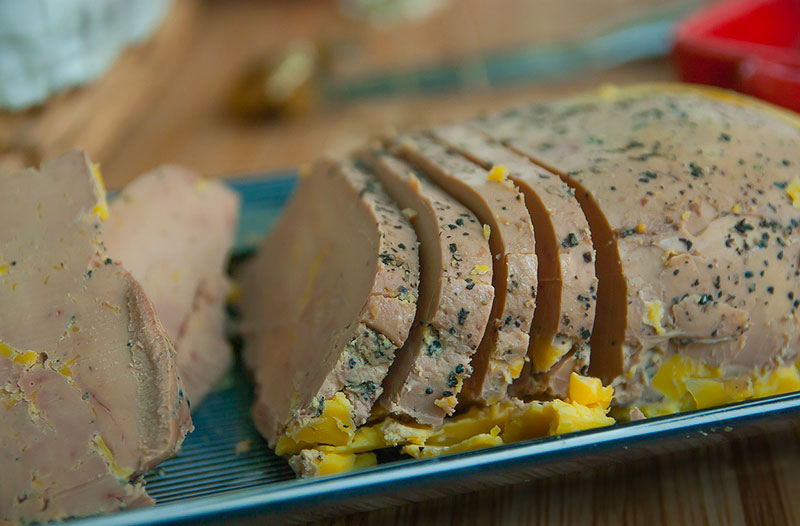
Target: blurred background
{"points": [[231, 87]]}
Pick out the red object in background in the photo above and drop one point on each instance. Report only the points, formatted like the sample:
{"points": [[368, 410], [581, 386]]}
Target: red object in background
{"points": [[751, 46]]}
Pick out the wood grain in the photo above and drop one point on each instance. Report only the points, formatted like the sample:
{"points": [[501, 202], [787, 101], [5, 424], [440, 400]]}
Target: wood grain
{"points": [[94, 117]]}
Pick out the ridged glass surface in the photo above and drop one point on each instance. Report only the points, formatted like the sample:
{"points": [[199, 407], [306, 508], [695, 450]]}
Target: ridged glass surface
{"points": [[209, 462]]}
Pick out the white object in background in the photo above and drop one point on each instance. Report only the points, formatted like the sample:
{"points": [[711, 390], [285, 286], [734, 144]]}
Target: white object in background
{"points": [[49, 45]]}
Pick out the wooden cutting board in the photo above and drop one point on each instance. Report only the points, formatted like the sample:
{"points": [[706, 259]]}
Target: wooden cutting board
{"points": [[166, 101]]}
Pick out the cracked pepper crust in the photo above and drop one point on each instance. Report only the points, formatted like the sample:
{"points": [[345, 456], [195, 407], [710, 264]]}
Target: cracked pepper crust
{"points": [[343, 261]]}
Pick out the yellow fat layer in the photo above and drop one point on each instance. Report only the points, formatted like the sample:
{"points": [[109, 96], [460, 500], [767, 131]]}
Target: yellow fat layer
{"points": [[712, 392], [545, 355], [329, 463], [515, 368], [386, 433], [780, 381], [793, 191], [497, 173], [586, 408], [100, 447], [478, 270], [475, 421], [19, 357], [686, 384], [654, 315], [589, 391], [479, 427], [472, 443], [334, 426], [101, 208]]}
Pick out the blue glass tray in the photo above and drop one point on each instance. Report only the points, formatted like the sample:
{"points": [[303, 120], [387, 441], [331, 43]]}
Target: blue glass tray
{"points": [[209, 483]]}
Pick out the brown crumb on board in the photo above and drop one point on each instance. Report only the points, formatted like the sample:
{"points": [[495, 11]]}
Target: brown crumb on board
{"points": [[243, 447]]}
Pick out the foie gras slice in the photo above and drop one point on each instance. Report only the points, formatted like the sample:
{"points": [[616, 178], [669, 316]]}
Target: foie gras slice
{"points": [[454, 302], [496, 202], [696, 186], [326, 303], [174, 230], [567, 295], [89, 392], [204, 353]]}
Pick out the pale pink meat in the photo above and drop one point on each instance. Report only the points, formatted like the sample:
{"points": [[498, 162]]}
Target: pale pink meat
{"points": [[697, 237], [174, 230], [498, 204], [329, 299], [454, 302], [204, 353], [89, 392], [567, 293]]}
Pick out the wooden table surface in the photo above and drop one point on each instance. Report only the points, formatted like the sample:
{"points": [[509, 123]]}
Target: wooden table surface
{"points": [[166, 102], [742, 481]]}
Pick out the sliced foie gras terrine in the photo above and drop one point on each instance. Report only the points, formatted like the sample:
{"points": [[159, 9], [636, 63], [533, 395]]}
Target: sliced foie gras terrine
{"points": [[692, 201], [566, 299], [204, 352], [173, 230], [455, 296], [689, 196], [326, 304], [89, 391], [497, 203]]}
